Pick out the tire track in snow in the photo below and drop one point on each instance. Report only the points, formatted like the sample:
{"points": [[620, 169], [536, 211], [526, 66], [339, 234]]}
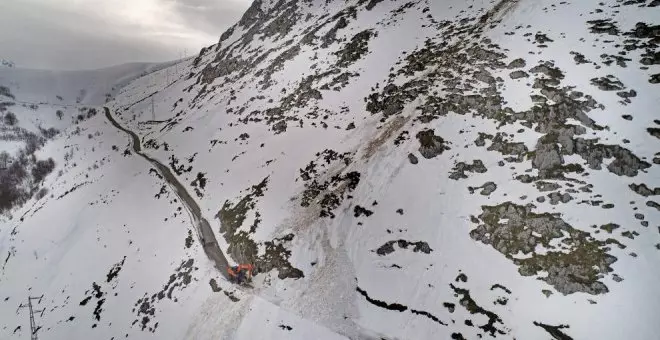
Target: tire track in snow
{"points": [[204, 231]]}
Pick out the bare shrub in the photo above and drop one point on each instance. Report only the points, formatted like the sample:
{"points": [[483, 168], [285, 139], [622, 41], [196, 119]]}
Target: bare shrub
{"points": [[10, 119]]}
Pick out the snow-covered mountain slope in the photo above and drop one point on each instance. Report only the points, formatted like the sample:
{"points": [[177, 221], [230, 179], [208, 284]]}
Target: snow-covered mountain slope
{"points": [[395, 170], [36, 104], [35, 96], [90, 87]]}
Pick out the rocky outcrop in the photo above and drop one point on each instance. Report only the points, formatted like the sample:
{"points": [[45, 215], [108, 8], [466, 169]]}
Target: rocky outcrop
{"points": [[430, 144], [487, 188], [459, 170], [388, 247], [512, 229], [644, 190]]}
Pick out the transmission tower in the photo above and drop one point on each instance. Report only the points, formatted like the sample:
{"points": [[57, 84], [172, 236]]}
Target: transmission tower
{"points": [[33, 325]]}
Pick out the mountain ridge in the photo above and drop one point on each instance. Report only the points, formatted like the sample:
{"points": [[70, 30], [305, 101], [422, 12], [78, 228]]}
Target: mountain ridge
{"points": [[396, 170]]}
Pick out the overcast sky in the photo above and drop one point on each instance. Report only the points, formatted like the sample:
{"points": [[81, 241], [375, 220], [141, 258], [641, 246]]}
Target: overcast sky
{"points": [[84, 34]]}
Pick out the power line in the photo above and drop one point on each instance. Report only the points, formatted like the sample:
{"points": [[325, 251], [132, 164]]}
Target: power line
{"points": [[33, 325]]}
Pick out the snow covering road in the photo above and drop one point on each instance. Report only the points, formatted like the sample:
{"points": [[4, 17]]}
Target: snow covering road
{"points": [[204, 231]]}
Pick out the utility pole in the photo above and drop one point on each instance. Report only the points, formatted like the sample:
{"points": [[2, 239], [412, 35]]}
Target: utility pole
{"points": [[33, 325]]}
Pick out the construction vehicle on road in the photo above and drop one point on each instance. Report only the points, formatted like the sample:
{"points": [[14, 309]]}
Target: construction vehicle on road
{"points": [[241, 274]]}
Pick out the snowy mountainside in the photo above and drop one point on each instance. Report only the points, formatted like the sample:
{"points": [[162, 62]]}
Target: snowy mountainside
{"points": [[35, 105], [395, 170], [35, 96], [90, 87]]}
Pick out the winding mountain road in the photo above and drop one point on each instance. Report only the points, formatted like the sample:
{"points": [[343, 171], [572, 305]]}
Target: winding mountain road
{"points": [[204, 231]]}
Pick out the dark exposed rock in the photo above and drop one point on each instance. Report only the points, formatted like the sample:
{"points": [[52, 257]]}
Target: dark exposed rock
{"points": [[214, 286], [541, 38], [481, 140], [547, 158], [371, 4], [655, 79], [626, 95], [629, 234], [276, 256], [601, 26], [608, 59], [609, 83], [556, 197], [610, 227], [278, 64], [114, 271], [546, 186], [329, 37], [518, 74], [413, 159], [548, 69], [430, 144], [501, 144], [391, 306], [625, 163], [494, 323], [280, 126], [579, 58], [460, 168], [224, 67], [555, 331], [359, 211], [242, 248], [487, 188], [428, 315], [655, 132], [388, 247], [517, 63], [511, 228], [643, 190], [355, 49]]}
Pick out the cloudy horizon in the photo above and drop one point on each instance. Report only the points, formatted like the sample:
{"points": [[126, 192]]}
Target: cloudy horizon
{"points": [[89, 34]]}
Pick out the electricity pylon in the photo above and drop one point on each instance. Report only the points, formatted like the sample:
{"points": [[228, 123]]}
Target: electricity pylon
{"points": [[33, 325]]}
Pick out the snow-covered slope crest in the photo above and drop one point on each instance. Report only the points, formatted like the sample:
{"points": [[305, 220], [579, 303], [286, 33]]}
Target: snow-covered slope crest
{"points": [[395, 169]]}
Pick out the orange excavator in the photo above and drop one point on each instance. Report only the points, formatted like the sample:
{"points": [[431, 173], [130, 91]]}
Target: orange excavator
{"points": [[241, 274]]}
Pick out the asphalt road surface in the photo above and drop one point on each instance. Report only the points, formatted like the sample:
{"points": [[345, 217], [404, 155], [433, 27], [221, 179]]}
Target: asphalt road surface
{"points": [[204, 231]]}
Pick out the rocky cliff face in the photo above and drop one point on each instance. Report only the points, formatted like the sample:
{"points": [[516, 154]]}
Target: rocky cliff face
{"points": [[409, 170]]}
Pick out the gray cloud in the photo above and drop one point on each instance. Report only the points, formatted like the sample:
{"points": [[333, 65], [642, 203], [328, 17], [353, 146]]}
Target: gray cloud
{"points": [[82, 34]]}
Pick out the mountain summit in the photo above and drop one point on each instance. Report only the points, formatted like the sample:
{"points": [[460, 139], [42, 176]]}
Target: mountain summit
{"points": [[392, 169]]}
